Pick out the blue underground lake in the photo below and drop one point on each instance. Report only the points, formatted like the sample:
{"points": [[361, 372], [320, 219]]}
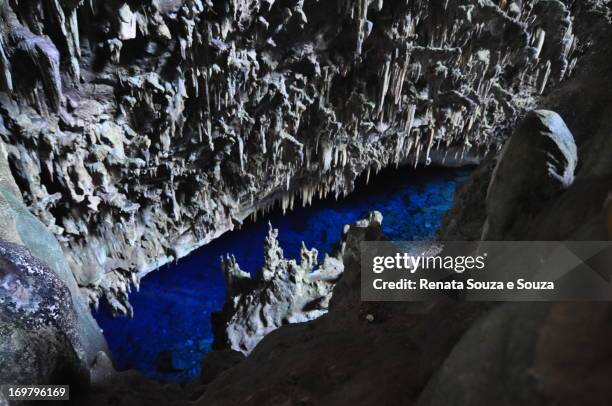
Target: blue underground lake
{"points": [[171, 328]]}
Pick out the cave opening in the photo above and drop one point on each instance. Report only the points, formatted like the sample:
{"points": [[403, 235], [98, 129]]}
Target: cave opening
{"points": [[171, 328]]}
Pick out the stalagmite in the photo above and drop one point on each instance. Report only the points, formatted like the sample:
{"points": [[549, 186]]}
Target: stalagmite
{"points": [[283, 291]]}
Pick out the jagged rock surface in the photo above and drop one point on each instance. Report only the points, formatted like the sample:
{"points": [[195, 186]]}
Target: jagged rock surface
{"points": [[283, 291], [362, 353], [467, 353], [450, 353], [545, 207], [138, 131], [19, 226]]}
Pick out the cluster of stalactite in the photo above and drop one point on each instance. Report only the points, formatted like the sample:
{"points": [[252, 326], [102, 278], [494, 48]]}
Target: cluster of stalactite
{"points": [[140, 130]]}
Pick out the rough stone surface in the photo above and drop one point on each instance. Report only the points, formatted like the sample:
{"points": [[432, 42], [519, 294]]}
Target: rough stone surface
{"points": [[545, 208], [138, 131], [449, 353], [216, 362], [436, 353], [20, 226], [283, 292], [130, 388], [37, 323], [8, 226], [358, 353], [465, 220]]}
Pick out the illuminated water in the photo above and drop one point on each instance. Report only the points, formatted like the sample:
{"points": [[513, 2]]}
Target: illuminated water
{"points": [[171, 330]]}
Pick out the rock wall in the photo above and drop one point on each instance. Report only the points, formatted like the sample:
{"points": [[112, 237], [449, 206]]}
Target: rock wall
{"points": [[447, 352], [138, 131], [552, 180], [19, 227], [560, 190]]}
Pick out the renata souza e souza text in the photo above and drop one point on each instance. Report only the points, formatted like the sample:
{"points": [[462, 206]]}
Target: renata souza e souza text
{"points": [[457, 264]]}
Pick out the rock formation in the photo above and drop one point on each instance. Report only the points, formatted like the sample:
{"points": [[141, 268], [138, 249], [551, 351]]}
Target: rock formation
{"points": [[138, 131], [28, 243], [38, 336], [452, 353], [358, 353], [283, 291], [449, 352], [547, 152], [560, 189]]}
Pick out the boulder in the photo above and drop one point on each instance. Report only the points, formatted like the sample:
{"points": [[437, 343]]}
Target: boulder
{"points": [[37, 322], [536, 165]]}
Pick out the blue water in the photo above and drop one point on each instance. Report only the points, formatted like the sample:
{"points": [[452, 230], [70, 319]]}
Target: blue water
{"points": [[171, 329]]}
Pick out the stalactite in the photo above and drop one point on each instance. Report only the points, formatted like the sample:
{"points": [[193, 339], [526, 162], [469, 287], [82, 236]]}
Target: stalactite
{"points": [[247, 106]]}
